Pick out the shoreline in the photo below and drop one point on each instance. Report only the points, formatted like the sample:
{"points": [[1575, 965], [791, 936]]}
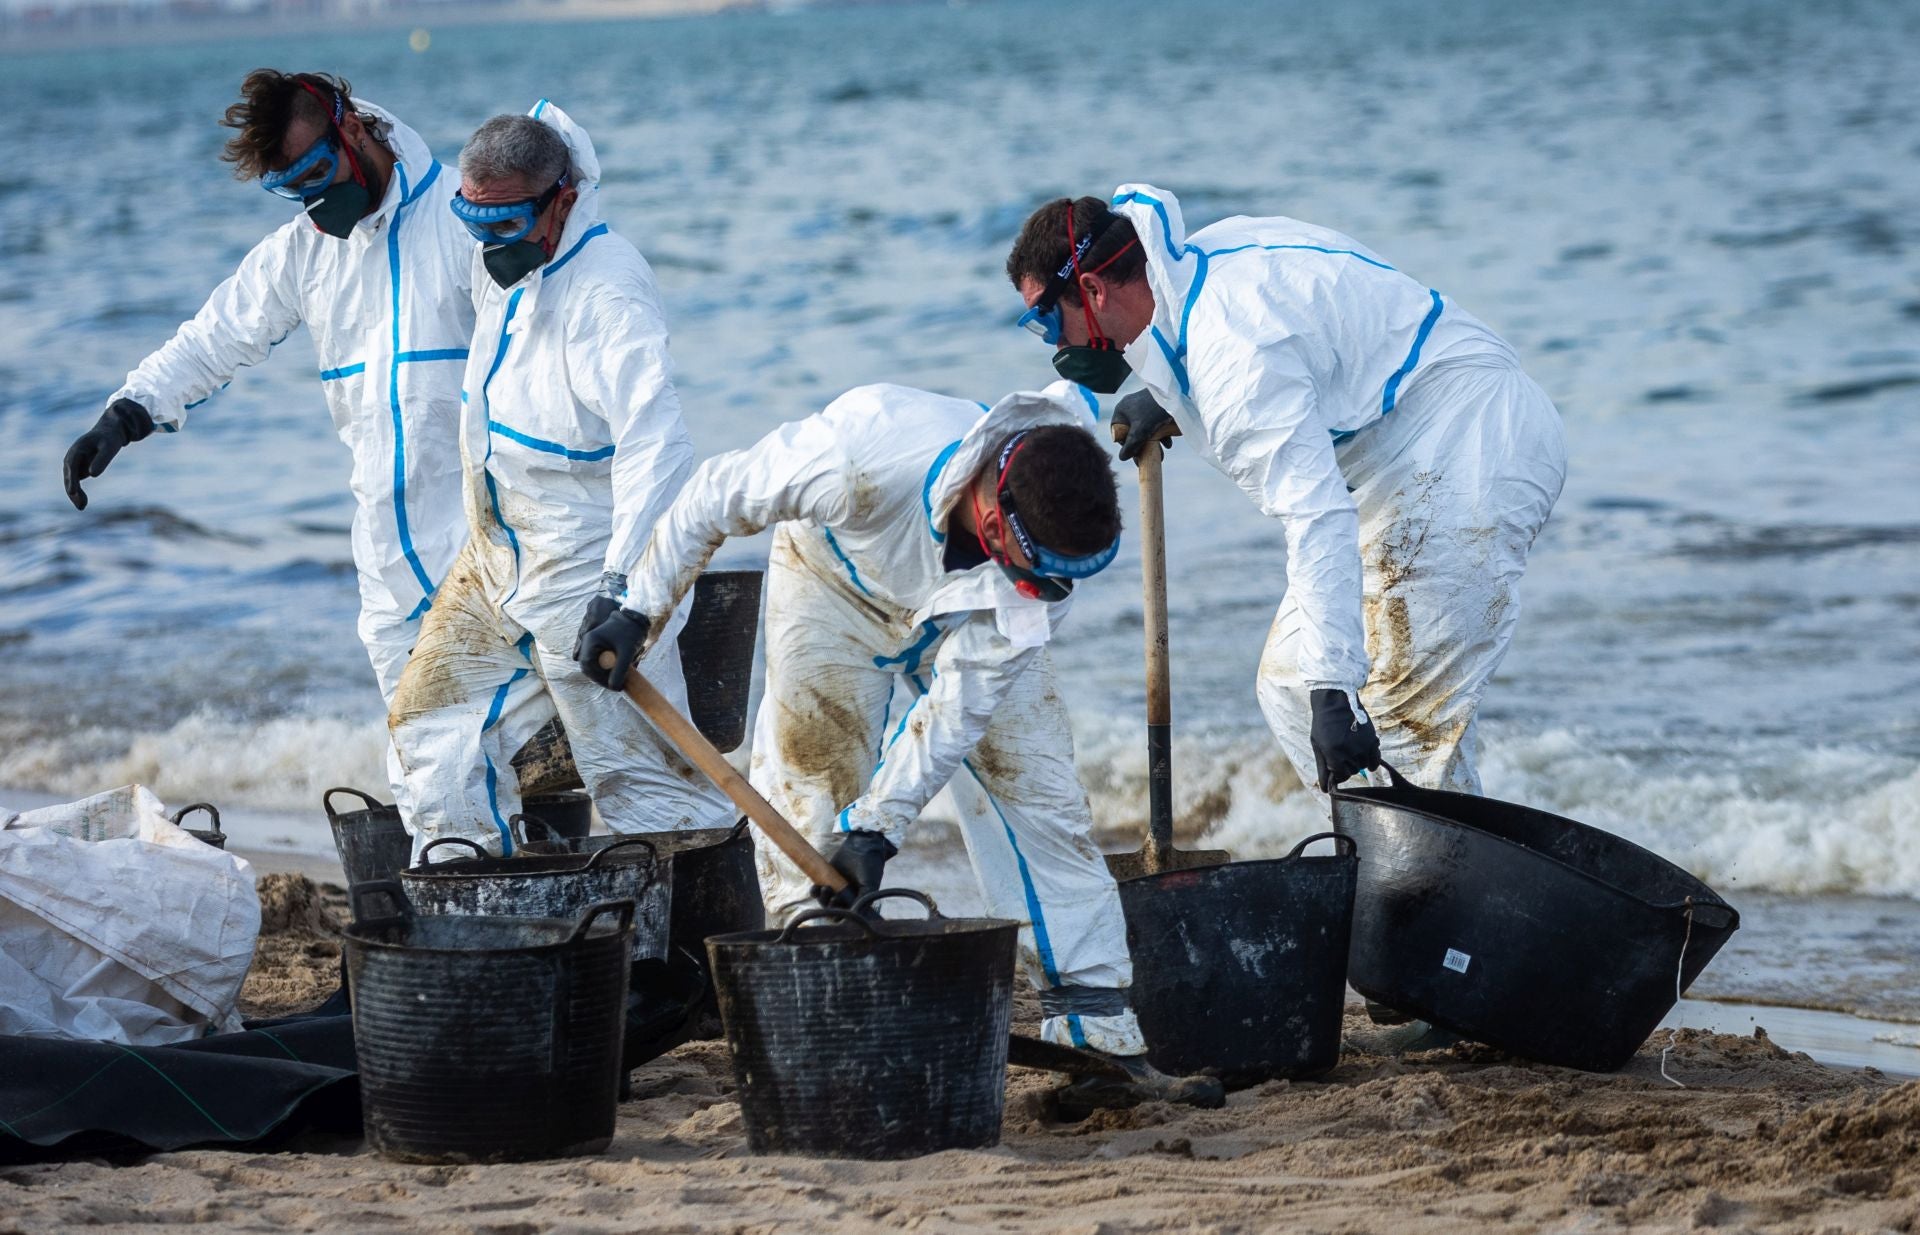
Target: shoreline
{"points": [[299, 844]]}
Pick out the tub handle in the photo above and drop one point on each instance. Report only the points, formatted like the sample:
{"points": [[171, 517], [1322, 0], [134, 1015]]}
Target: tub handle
{"points": [[652, 851], [366, 889], [208, 807], [1399, 781], [517, 824], [879, 894], [1343, 844], [653, 865], [1699, 908], [449, 840], [827, 913], [326, 801], [738, 828], [595, 912]]}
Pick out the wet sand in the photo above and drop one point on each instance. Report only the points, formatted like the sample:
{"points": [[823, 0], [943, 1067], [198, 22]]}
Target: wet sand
{"points": [[1761, 1139]]}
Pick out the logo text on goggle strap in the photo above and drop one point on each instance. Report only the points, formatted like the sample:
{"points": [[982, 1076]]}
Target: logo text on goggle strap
{"points": [[1079, 251]]}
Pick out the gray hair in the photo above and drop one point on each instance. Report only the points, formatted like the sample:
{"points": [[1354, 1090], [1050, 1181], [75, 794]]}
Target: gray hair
{"points": [[515, 147]]}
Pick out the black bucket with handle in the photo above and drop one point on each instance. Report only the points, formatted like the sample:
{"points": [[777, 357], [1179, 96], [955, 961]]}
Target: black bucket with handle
{"points": [[209, 836], [716, 653], [546, 887], [1552, 940], [372, 842], [873, 1039], [1240, 970], [568, 812], [715, 891], [487, 1039]]}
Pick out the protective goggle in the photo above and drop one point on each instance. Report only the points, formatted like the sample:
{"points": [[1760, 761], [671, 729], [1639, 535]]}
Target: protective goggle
{"points": [[507, 222], [1052, 575], [307, 176], [1042, 318]]}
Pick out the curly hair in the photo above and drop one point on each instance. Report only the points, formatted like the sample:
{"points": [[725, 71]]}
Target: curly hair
{"points": [[269, 102], [1062, 481]]}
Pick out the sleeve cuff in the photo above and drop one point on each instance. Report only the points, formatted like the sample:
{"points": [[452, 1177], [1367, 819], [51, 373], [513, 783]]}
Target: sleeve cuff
{"points": [[859, 817]]}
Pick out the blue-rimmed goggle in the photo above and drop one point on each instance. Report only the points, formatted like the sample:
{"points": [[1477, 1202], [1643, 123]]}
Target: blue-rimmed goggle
{"points": [[308, 175], [507, 222], [1043, 317], [1052, 576]]}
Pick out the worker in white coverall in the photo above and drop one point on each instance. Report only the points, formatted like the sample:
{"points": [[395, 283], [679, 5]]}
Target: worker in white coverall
{"points": [[573, 445], [928, 539], [378, 270], [1409, 459]]}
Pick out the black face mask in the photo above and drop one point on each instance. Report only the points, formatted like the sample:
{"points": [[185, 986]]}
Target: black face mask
{"points": [[339, 207], [510, 263], [1102, 369]]}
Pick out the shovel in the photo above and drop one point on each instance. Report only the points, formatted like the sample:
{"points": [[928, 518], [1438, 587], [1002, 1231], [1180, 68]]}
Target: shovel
{"points": [[1157, 853], [1023, 1051]]}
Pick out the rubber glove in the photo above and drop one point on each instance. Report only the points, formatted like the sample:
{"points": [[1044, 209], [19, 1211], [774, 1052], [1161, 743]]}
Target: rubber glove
{"points": [[620, 631], [1342, 745], [1136, 419], [862, 857], [123, 422]]}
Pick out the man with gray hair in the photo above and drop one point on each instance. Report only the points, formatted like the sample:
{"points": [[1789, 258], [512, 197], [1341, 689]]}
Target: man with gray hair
{"points": [[573, 445]]}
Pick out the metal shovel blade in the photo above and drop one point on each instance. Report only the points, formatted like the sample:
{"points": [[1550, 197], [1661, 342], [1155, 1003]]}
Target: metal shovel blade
{"points": [[1150, 859]]}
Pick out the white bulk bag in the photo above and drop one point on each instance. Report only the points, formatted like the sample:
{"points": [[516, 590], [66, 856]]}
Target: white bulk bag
{"points": [[117, 926]]}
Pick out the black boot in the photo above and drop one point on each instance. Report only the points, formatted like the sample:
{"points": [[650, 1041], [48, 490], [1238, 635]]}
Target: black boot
{"points": [[1081, 1097]]}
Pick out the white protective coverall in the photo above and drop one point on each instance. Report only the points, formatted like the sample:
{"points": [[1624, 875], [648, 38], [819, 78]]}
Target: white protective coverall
{"points": [[858, 596], [390, 309], [573, 444], [1409, 458]]}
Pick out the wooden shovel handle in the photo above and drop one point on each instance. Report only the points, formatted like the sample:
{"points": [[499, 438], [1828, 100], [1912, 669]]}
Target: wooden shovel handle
{"points": [[694, 745]]}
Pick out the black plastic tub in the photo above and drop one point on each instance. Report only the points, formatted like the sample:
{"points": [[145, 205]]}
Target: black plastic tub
{"points": [[869, 1039], [1240, 971], [716, 652], [372, 842], [559, 886], [715, 891], [487, 1039], [1527, 931], [569, 813]]}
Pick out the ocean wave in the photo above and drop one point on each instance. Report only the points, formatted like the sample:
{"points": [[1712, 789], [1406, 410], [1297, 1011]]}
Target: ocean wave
{"points": [[1798, 822], [1806, 822], [282, 764]]}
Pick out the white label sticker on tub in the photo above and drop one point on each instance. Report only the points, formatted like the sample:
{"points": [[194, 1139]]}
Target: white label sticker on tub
{"points": [[1456, 960]]}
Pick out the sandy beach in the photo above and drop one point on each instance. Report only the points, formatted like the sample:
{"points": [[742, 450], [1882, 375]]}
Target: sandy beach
{"points": [[1466, 1139]]}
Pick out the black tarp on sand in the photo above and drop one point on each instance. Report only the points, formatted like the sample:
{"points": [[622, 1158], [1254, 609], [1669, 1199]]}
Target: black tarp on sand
{"points": [[240, 1090]]}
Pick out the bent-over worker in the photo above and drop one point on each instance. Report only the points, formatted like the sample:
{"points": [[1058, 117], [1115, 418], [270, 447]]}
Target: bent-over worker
{"points": [[920, 538]]}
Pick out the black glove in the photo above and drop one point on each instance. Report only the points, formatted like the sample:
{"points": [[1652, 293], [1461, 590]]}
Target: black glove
{"points": [[620, 631], [1136, 419], [125, 421], [1341, 745], [599, 609], [862, 857]]}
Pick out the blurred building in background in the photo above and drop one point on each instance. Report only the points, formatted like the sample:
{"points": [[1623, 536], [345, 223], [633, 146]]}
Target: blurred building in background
{"points": [[30, 23]]}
